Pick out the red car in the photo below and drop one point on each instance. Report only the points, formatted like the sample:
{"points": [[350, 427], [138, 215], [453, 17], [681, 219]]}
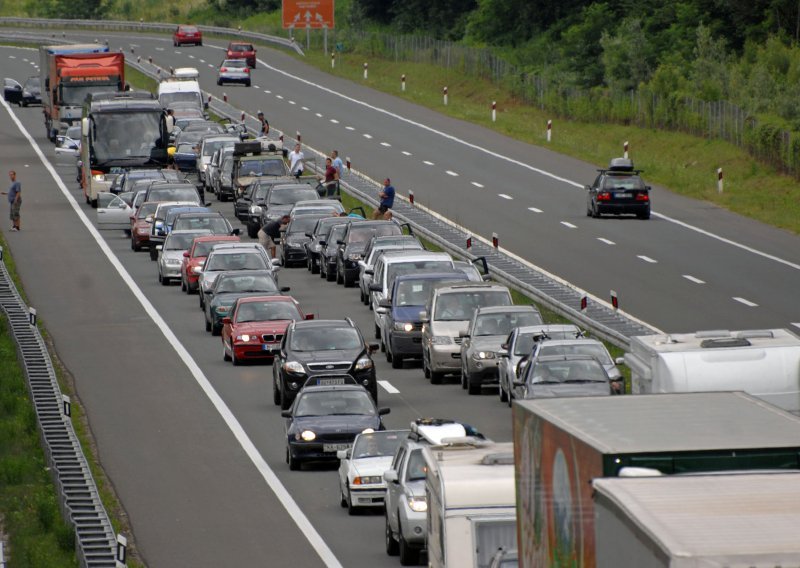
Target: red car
{"points": [[194, 258], [241, 50], [187, 34], [256, 327], [140, 225]]}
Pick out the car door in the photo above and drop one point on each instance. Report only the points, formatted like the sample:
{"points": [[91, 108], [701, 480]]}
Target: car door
{"points": [[394, 490], [12, 91], [112, 212]]}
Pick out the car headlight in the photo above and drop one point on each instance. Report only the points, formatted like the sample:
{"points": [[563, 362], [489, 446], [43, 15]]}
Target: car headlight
{"points": [[441, 340], [308, 435], [363, 363], [197, 269], [255, 210], [368, 431], [245, 337], [403, 326], [294, 245], [418, 504], [293, 367], [368, 480], [99, 177], [222, 309], [484, 355]]}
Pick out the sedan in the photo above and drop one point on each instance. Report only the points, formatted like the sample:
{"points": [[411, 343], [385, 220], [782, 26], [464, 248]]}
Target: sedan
{"points": [[242, 50], [170, 254], [184, 35], [618, 190], [361, 469], [563, 375], [234, 71], [295, 238], [326, 419], [256, 327], [193, 259], [229, 287]]}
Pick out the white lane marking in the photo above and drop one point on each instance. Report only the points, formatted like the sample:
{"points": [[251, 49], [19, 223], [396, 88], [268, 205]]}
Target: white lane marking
{"points": [[691, 278], [256, 87], [279, 97], [387, 386], [451, 173], [428, 163], [159, 49], [607, 241], [334, 121], [12, 56], [202, 60], [569, 225], [292, 103], [476, 184], [504, 196], [406, 153], [385, 144], [178, 52], [747, 303], [25, 59], [280, 491], [318, 115], [534, 209], [646, 258], [191, 57], [520, 163], [349, 128], [267, 91], [368, 136], [210, 65], [302, 107]]}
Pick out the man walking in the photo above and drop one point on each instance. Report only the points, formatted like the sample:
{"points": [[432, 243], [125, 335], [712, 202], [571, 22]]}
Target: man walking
{"points": [[14, 199], [337, 163], [386, 195], [263, 129], [296, 161]]}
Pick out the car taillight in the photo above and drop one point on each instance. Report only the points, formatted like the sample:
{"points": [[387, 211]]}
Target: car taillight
{"points": [[642, 197], [230, 53], [247, 70], [224, 70], [603, 196]]}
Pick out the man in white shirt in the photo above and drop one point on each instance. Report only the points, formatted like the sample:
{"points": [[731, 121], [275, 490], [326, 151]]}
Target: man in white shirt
{"points": [[337, 163], [296, 159], [170, 120]]}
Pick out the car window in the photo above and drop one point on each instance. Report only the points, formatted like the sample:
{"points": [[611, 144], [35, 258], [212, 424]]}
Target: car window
{"points": [[179, 242], [239, 261], [146, 210], [334, 403], [267, 311], [376, 445], [325, 339], [623, 182], [589, 348], [288, 196], [502, 324], [417, 469], [398, 459], [565, 371], [455, 306]]}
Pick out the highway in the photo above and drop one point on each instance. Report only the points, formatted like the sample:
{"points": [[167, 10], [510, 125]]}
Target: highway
{"points": [[185, 437]]}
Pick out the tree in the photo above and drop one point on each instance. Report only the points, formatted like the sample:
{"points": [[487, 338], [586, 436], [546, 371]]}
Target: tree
{"points": [[625, 56]]}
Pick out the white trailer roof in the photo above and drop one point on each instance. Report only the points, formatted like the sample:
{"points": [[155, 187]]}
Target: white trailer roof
{"points": [[705, 340], [714, 520]]}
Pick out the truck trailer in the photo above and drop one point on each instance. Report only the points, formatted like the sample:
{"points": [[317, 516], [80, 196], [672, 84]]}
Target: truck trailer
{"points": [[561, 445], [471, 502], [762, 362], [750, 520], [68, 74]]}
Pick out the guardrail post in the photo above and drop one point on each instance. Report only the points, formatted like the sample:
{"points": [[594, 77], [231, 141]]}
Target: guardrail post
{"points": [[67, 405], [469, 243], [333, 59], [625, 150], [584, 303], [411, 196], [347, 162], [495, 240], [299, 137], [614, 300], [719, 180], [122, 550], [32, 316]]}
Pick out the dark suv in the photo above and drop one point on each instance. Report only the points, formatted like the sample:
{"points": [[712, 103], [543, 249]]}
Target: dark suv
{"points": [[352, 245], [321, 347], [618, 190]]}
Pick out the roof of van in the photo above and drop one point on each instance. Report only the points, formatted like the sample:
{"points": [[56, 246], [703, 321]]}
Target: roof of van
{"points": [[684, 422], [718, 339], [726, 520]]}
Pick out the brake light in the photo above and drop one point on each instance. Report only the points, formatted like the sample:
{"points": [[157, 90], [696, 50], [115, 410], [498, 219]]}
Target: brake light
{"points": [[603, 196], [230, 53], [224, 69], [247, 70], [642, 197]]}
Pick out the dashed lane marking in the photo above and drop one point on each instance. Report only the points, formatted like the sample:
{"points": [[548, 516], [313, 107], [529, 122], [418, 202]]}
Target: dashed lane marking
{"points": [[646, 258], [691, 278], [569, 225], [607, 241], [505, 196], [746, 302], [387, 386]]}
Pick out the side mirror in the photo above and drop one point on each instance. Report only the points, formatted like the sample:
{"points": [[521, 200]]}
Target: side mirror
{"points": [[362, 264], [186, 254], [309, 235], [619, 361], [384, 411], [276, 262], [381, 310], [286, 413], [285, 289], [235, 232], [373, 347], [390, 476], [385, 304], [148, 219], [423, 316], [309, 316], [323, 243], [504, 346], [368, 271], [343, 454], [226, 320], [340, 242]]}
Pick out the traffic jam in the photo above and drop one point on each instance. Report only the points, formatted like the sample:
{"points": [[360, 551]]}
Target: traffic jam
{"points": [[151, 164]]}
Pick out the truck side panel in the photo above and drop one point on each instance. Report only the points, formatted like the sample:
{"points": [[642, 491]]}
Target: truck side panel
{"points": [[620, 542]]}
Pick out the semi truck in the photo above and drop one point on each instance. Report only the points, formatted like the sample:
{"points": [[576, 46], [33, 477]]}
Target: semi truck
{"points": [[120, 131], [762, 362], [698, 520], [68, 74], [471, 502], [561, 445]]}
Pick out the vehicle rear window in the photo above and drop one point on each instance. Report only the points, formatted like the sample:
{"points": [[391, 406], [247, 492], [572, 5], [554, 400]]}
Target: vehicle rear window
{"points": [[623, 182], [459, 306], [503, 324], [175, 194], [267, 311], [237, 261], [334, 403], [325, 339], [363, 234], [241, 47], [204, 247]]}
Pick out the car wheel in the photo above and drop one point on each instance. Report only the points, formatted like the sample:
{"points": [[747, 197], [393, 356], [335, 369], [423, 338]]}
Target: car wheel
{"points": [[392, 546], [351, 510], [183, 285], [373, 392], [234, 359], [328, 276], [425, 369], [409, 556], [219, 82], [377, 332], [314, 266], [225, 356], [464, 379], [153, 253], [342, 499], [294, 463], [588, 209], [397, 362], [473, 388], [436, 377], [208, 325], [503, 394], [216, 330], [643, 216], [252, 230], [23, 103], [247, 84], [595, 212], [165, 281], [339, 275]]}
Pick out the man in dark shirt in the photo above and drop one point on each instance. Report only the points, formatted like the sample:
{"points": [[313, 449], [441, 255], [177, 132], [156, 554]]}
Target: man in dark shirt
{"points": [[331, 180], [386, 195], [272, 232]]}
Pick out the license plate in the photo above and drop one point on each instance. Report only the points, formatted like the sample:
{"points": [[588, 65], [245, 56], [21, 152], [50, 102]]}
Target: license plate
{"points": [[623, 195], [270, 347], [336, 381], [335, 447]]}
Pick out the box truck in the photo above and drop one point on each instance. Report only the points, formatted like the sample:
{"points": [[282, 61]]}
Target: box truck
{"points": [[691, 521], [562, 444], [764, 363], [471, 502]]}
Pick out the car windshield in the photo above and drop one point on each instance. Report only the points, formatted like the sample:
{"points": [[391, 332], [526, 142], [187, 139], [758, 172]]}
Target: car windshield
{"points": [[174, 194], [302, 225], [503, 324], [267, 311], [334, 403], [237, 261], [325, 339], [217, 225], [168, 99], [240, 47], [266, 167], [336, 234], [204, 247], [377, 444], [589, 348], [459, 306], [417, 470], [246, 283], [290, 196], [125, 135], [179, 242], [566, 371], [525, 341], [211, 147], [188, 29], [363, 234], [235, 63], [406, 267], [146, 209], [416, 292], [623, 182]]}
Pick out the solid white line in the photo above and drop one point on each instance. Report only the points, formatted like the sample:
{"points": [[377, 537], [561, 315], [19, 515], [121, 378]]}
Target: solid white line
{"points": [[518, 162], [428, 163], [534, 209], [386, 145], [291, 506], [368, 136], [646, 258], [451, 173], [607, 241], [387, 386], [569, 225], [691, 278], [504, 196], [406, 153], [476, 184], [747, 303]]}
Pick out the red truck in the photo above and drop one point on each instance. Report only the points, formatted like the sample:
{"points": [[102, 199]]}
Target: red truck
{"points": [[68, 74]]}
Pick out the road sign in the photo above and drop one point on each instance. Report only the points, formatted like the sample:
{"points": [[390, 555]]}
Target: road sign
{"points": [[307, 14]]}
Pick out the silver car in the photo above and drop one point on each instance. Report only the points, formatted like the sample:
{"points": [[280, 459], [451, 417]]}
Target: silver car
{"points": [[584, 347], [563, 376], [234, 71], [232, 256], [170, 254]]}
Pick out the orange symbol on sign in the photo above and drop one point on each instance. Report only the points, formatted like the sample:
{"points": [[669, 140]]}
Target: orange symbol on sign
{"points": [[307, 13]]}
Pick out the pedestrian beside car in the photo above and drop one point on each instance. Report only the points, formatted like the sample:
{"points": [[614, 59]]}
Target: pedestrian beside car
{"points": [[386, 196], [297, 161], [264, 124], [170, 120], [271, 232], [337, 163], [331, 178], [14, 194]]}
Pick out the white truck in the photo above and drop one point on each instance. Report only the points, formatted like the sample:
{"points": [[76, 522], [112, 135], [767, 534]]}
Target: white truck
{"points": [[747, 520], [764, 363], [182, 88], [471, 502]]}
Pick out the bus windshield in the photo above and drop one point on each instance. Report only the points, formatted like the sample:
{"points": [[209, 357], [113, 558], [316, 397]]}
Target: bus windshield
{"points": [[125, 135]]}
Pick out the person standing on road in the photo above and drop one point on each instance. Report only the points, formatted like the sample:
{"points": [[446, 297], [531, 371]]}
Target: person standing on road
{"points": [[331, 179], [337, 163], [272, 232], [264, 124], [14, 199], [296, 161], [170, 121], [386, 195]]}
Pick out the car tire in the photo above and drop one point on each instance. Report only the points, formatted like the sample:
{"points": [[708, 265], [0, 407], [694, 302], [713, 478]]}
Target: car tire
{"points": [[285, 402], [351, 510], [234, 359], [342, 499], [164, 281], [425, 369], [247, 84], [328, 276], [219, 82], [225, 356], [183, 285], [339, 275], [373, 392], [348, 282], [377, 332], [397, 362], [595, 212], [93, 203], [153, 253], [215, 330], [314, 267], [208, 325], [294, 463], [464, 379], [473, 388], [643, 216], [409, 556], [392, 546]]}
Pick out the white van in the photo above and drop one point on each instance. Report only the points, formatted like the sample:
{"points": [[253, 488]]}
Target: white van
{"points": [[180, 90], [764, 363]]}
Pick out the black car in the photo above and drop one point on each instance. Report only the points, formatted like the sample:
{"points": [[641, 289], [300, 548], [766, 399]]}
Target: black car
{"points": [[319, 234], [281, 198], [160, 190], [321, 347], [24, 95], [618, 190], [352, 245], [329, 249], [185, 158], [295, 237], [326, 418], [232, 285], [249, 205]]}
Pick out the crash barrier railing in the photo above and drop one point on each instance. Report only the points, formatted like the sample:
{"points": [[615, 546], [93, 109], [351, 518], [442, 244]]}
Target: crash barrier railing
{"points": [[120, 25], [599, 318], [79, 501]]}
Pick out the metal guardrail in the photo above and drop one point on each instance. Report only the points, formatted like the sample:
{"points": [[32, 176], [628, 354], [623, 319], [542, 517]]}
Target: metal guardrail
{"points": [[79, 499], [150, 26]]}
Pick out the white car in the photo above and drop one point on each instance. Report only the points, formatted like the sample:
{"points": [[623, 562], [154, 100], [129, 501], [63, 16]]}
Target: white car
{"points": [[361, 468]]}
